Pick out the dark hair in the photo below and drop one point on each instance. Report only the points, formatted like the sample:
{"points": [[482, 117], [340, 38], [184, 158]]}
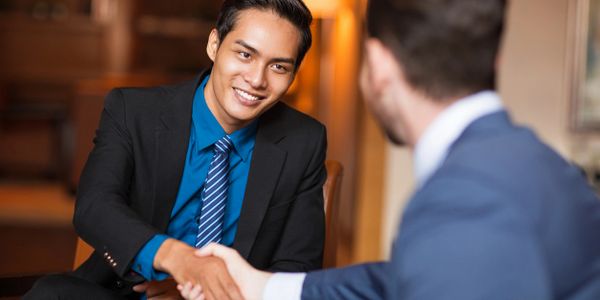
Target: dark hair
{"points": [[294, 11], [446, 48]]}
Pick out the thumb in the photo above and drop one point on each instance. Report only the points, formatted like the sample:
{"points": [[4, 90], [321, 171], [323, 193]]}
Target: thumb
{"points": [[215, 249], [142, 287], [207, 250]]}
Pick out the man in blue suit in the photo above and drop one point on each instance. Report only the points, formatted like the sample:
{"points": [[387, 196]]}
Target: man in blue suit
{"points": [[496, 214]]}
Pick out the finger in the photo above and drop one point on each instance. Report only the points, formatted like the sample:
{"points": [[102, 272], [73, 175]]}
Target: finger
{"points": [[206, 250], [217, 250], [185, 290], [229, 286], [140, 288], [223, 287], [201, 297], [211, 289], [196, 292]]}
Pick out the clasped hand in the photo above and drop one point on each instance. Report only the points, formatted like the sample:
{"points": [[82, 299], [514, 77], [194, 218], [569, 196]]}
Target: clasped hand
{"points": [[208, 272], [250, 281]]}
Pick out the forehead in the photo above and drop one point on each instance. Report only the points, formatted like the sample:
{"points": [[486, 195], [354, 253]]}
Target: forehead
{"points": [[266, 32]]}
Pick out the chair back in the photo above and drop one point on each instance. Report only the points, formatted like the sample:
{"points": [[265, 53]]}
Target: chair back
{"points": [[82, 253], [331, 195]]}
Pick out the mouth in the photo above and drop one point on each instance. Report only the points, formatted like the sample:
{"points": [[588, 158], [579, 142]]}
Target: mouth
{"points": [[248, 97]]}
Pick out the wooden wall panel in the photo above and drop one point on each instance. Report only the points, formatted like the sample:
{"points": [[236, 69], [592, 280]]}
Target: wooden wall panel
{"points": [[51, 51]]}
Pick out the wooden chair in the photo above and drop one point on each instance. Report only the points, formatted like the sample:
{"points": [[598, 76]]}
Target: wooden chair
{"points": [[331, 193]]}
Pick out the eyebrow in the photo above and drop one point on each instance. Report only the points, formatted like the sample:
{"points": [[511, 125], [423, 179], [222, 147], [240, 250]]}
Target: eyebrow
{"points": [[255, 51]]}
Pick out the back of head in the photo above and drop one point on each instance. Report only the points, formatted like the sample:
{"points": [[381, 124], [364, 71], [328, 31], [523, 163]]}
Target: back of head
{"points": [[447, 48], [295, 11]]}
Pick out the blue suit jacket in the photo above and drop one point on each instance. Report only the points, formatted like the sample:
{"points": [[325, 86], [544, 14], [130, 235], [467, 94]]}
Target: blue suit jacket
{"points": [[504, 217]]}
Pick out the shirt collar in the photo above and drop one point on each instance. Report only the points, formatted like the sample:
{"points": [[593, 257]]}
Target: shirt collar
{"points": [[433, 146], [208, 130]]}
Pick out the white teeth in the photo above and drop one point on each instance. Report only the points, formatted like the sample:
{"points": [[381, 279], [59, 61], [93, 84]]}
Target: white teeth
{"points": [[246, 95]]}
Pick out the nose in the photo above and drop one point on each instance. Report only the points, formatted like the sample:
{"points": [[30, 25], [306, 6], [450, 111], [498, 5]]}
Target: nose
{"points": [[256, 77]]}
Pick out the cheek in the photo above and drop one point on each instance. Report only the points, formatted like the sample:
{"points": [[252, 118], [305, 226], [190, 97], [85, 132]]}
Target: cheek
{"points": [[279, 84], [228, 66], [365, 85], [229, 70]]}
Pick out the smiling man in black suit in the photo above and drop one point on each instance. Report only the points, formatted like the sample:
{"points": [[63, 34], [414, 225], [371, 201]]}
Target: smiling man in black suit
{"points": [[216, 159]]}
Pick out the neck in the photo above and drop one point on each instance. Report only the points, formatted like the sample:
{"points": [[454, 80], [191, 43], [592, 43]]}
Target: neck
{"points": [[419, 111], [218, 111]]}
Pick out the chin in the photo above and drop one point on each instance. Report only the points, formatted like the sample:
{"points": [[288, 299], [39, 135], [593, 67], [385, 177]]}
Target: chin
{"points": [[396, 140], [394, 136], [243, 115]]}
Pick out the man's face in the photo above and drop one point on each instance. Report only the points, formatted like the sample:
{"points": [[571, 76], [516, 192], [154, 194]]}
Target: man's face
{"points": [[253, 67]]}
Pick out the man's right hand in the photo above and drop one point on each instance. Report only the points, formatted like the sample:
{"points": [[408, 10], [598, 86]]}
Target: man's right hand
{"points": [[251, 281], [210, 272]]}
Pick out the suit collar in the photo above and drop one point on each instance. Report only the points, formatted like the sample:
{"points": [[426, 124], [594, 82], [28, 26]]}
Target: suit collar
{"points": [[265, 169], [172, 137], [176, 113], [447, 127]]}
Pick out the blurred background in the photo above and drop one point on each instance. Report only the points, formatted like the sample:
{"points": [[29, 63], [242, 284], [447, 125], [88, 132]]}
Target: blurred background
{"points": [[59, 58]]}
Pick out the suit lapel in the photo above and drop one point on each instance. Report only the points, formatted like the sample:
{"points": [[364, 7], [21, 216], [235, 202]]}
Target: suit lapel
{"points": [[172, 139], [267, 162]]}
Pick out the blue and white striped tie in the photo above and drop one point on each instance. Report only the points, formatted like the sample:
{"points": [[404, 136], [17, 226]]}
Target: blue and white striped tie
{"points": [[214, 195]]}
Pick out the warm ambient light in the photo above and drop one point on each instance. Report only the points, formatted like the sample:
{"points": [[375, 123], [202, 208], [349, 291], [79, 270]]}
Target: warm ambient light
{"points": [[322, 8]]}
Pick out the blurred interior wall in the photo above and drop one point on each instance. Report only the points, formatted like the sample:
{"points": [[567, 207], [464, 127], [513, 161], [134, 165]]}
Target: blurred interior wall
{"points": [[339, 63]]}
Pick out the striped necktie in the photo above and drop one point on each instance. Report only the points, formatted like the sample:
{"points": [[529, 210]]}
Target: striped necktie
{"points": [[214, 195]]}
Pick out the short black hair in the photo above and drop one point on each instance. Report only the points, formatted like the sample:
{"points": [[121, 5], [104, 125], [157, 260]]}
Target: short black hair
{"points": [[294, 11], [446, 48]]}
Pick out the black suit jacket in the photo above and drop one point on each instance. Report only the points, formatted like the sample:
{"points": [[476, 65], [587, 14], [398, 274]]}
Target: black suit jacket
{"points": [[130, 182]]}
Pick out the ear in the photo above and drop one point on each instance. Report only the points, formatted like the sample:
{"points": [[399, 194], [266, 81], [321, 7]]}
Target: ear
{"points": [[213, 44], [382, 66]]}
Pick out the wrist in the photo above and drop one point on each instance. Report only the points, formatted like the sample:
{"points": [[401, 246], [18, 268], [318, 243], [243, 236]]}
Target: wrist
{"points": [[262, 278], [167, 255]]}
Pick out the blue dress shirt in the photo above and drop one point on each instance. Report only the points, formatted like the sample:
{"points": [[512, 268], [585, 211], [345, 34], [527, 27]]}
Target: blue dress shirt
{"points": [[205, 131]]}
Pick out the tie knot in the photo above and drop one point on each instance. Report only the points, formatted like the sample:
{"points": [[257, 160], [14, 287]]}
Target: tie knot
{"points": [[224, 145]]}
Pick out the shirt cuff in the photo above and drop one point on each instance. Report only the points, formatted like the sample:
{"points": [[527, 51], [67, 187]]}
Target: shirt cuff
{"points": [[145, 259], [284, 286]]}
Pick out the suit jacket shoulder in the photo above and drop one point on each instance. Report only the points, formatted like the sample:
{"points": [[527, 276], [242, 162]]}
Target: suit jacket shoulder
{"points": [[282, 120], [502, 198]]}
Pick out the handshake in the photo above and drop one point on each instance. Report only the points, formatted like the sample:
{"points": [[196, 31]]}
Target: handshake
{"points": [[212, 272]]}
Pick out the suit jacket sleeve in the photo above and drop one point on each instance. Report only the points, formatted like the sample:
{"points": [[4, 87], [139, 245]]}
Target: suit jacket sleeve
{"points": [[301, 245], [102, 216], [366, 281]]}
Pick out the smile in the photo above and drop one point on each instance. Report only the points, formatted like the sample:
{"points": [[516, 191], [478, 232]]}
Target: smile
{"points": [[247, 96]]}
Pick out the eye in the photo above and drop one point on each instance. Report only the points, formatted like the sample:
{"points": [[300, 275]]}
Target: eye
{"points": [[279, 68], [244, 55]]}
